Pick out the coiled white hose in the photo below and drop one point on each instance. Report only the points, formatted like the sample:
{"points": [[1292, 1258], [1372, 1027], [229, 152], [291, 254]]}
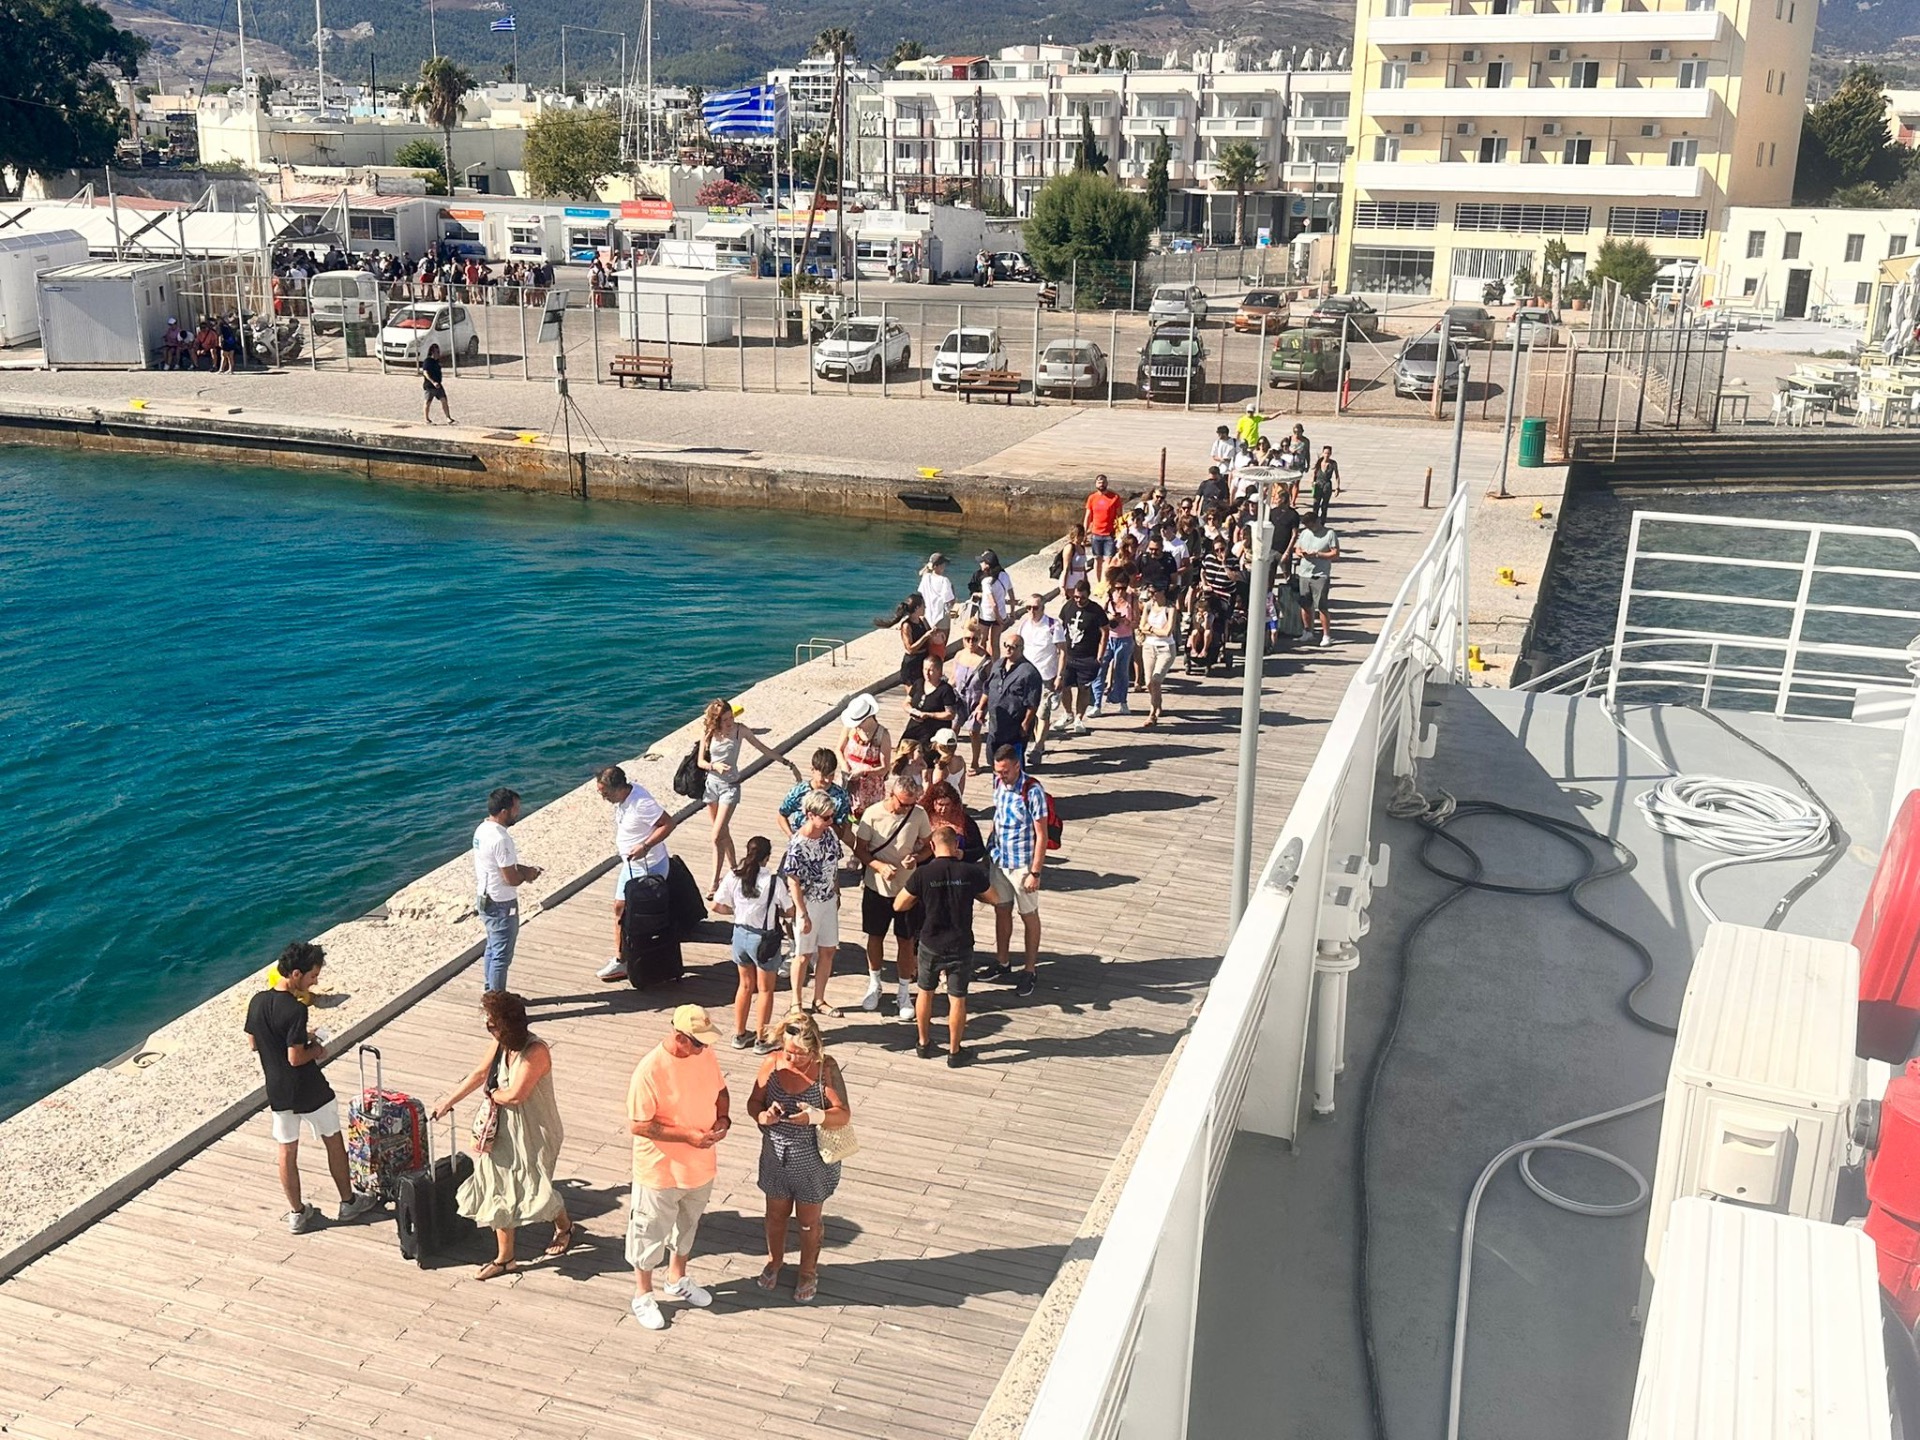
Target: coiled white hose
{"points": [[1743, 819]]}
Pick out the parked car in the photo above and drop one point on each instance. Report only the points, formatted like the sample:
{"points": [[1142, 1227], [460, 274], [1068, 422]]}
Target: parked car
{"points": [[1013, 265], [339, 298], [1305, 361], [1071, 365], [1351, 311], [412, 330], [1537, 325], [1262, 310], [862, 346], [1468, 323], [1413, 373], [1177, 302], [971, 350], [1173, 362]]}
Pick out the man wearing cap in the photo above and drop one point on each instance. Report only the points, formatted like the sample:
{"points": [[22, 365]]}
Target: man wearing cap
{"points": [[1247, 431], [1040, 640], [1103, 523], [678, 1110], [640, 830]]}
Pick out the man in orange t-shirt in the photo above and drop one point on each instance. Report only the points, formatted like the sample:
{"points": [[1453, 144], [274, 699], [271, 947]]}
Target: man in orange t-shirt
{"points": [[1103, 523], [678, 1110]]}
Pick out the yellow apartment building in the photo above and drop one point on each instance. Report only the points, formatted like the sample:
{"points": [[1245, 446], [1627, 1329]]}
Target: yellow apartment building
{"points": [[1486, 128]]}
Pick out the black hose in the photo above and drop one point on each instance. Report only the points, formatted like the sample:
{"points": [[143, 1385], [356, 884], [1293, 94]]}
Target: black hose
{"points": [[1591, 872]]}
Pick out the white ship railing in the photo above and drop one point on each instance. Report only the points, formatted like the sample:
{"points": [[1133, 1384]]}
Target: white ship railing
{"points": [[1718, 627], [1124, 1362]]}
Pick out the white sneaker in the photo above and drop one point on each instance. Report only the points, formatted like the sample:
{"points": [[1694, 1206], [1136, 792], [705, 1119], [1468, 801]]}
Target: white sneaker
{"points": [[304, 1219], [1325, 641], [1080, 726], [353, 1209], [614, 969], [697, 1296], [1097, 711], [1125, 709], [646, 1310], [906, 1001], [871, 1000]]}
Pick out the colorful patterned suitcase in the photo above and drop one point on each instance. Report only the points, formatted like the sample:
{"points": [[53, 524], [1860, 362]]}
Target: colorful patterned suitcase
{"points": [[385, 1133]]}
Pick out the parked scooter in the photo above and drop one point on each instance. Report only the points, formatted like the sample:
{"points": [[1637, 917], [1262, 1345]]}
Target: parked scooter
{"points": [[273, 340]]}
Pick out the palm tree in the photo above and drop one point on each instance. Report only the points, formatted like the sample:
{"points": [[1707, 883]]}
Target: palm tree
{"points": [[1236, 167], [442, 96], [906, 50]]}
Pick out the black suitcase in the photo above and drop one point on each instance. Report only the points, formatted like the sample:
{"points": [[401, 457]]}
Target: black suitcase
{"points": [[425, 1210], [646, 913], [655, 962], [685, 904]]}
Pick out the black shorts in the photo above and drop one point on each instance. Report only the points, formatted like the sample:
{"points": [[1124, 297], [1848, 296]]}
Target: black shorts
{"points": [[877, 916], [959, 972], [1078, 671]]}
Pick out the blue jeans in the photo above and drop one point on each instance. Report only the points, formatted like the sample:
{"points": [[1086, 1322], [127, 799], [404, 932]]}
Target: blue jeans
{"points": [[1116, 668], [502, 919]]}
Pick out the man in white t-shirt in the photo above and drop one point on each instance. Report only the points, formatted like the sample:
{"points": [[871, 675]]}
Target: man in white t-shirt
{"points": [[640, 830], [1042, 635], [497, 878]]}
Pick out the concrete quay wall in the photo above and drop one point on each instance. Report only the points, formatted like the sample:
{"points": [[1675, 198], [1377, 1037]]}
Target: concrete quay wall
{"points": [[390, 452]]}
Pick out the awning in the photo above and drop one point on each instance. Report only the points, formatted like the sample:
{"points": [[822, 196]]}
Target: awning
{"points": [[644, 226], [889, 232], [725, 230]]}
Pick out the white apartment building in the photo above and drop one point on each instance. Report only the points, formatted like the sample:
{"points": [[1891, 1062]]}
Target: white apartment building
{"points": [[1493, 126], [1017, 123], [809, 87], [1794, 262]]}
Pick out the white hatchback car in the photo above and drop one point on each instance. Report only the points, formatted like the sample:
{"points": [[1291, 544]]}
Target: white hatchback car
{"points": [[412, 330], [861, 346], [1178, 302], [968, 351]]}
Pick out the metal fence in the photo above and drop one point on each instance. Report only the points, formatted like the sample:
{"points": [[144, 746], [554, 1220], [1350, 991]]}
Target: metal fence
{"points": [[1639, 367]]}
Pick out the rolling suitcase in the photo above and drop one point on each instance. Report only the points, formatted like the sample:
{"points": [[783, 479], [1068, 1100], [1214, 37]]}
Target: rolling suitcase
{"points": [[425, 1210], [648, 944], [385, 1130]]}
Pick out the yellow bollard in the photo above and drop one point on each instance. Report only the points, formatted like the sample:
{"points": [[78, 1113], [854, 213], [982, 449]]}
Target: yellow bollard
{"points": [[527, 437], [929, 472], [1504, 576], [1474, 662], [137, 404], [1539, 512]]}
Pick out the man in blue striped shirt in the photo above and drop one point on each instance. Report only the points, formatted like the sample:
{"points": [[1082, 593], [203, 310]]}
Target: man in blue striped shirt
{"points": [[1015, 857]]}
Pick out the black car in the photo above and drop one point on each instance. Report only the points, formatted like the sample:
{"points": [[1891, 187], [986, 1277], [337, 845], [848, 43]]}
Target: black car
{"points": [[1348, 310], [1173, 362]]}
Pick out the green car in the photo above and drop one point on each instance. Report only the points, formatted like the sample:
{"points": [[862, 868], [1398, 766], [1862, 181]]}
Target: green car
{"points": [[1306, 361]]}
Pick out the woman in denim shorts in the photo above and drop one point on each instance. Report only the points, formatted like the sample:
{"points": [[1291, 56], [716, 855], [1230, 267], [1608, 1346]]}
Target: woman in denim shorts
{"points": [[756, 899]]}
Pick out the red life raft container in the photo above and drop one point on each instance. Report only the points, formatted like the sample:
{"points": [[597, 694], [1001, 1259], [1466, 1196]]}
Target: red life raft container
{"points": [[1888, 939]]}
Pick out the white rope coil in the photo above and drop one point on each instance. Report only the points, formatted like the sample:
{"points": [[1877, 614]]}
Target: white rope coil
{"points": [[1743, 820]]}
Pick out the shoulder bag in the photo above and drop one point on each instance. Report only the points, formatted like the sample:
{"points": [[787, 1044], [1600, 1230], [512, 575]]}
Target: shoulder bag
{"points": [[837, 1145], [769, 947], [486, 1119]]}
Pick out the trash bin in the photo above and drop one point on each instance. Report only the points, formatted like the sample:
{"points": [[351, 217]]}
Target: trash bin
{"points": [[1533, 443], [356, 336]]}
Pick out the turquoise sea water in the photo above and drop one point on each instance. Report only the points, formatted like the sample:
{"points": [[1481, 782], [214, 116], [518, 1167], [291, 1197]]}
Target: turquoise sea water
{"points": [[240, 705]]}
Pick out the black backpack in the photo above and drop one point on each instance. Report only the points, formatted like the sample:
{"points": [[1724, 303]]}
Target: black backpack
{"points": [[689, 779]]}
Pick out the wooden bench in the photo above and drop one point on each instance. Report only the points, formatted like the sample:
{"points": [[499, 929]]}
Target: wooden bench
{"points": [[1048, 297], [642, 368], [991, 382]]}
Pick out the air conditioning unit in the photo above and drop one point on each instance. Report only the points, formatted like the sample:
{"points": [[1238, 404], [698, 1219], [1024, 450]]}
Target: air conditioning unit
{"points": [[1411, 127], [1649, 132], [1762, 1325], [1556, 55], [1660, 54], [1761, 1092], [1417, 57], [1465, 127], [1551, 128], [1469, 57]]}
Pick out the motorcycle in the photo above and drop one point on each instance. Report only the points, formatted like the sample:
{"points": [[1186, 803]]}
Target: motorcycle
{"points": [[273, 341]]}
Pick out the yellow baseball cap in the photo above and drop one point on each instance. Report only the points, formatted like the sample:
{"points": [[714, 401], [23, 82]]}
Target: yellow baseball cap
{"points": [[692, 1021]]}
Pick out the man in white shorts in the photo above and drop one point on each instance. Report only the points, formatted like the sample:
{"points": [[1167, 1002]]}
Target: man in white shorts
{"points": [[640, 830], [297, 1093]]}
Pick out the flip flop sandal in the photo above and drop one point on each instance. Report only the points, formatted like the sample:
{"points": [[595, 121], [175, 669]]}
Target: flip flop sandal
{"points": [[561, 1243], [806, 1289], [493, 1269], [768, 1278]]}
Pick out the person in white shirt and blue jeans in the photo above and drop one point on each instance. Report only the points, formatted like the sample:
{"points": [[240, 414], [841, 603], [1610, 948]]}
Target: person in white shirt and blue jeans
{"points": [[640, 829], [497, 877]]}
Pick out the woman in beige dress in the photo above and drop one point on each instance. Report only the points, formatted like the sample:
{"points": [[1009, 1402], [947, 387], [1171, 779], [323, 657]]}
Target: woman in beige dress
{"points": [[512, 1180]]}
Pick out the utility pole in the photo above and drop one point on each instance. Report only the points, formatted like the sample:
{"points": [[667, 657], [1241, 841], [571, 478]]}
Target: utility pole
{"points": [[320, 56], [840, 170], [979, 146], [648, 97], [240, 12], [433, 30]]}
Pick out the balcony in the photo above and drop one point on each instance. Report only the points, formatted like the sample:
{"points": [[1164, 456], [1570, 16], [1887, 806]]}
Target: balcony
{"points": [[1318, 124], [1149, 127], [1324, 174], [1067, 127], [1543, 102], [1626, 27], [1376, 178], [1236, 127]]}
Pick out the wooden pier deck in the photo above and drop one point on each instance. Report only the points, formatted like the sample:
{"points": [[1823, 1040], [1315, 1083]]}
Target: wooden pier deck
{"points": [[191, 1312]]}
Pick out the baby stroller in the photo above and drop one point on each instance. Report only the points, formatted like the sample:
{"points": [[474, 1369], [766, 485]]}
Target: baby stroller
{"points": [[1212, 620]]}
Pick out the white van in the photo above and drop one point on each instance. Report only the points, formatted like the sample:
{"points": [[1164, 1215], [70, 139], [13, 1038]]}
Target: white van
{"points": [[343, 297]]}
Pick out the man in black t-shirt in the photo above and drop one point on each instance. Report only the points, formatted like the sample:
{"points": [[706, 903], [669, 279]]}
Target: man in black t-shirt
{"points": [[1086, 627], [297, 1093], [932, 704], [948, 888]]}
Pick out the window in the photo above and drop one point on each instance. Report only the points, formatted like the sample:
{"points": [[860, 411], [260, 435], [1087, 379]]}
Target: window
{"points": [[1584, 75], [1393, 74], [1693, 74], [1499, 75], [1386, 147], [1700, 4], [1396, 215], [1896, 245], [1652, 222], [1756, 244], [1587, 7], [1863, 292], [1398, 7], [1790, 246], [1576, 152], [377, 227], [1856, 246], [1523, 219], [1493, 150], [1395, 270], [1683, 152], [1750, 286]]}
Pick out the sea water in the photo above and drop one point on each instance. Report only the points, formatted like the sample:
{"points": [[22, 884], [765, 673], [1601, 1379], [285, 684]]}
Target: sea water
{"points": [[240, 705]]}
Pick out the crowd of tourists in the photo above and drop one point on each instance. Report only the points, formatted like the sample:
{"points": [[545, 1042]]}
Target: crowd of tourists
{"points": [[982, 672]]}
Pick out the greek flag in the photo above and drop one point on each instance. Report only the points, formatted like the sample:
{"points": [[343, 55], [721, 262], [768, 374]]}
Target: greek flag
{"points": [[756, 110], [503, 26]]}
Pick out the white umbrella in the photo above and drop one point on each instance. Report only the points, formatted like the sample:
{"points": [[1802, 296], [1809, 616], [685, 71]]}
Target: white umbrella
{"points": [[1899, 320]]}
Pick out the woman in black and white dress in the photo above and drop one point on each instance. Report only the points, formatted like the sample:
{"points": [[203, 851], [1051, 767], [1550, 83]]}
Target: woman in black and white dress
{"points": [[798, 1093]]}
